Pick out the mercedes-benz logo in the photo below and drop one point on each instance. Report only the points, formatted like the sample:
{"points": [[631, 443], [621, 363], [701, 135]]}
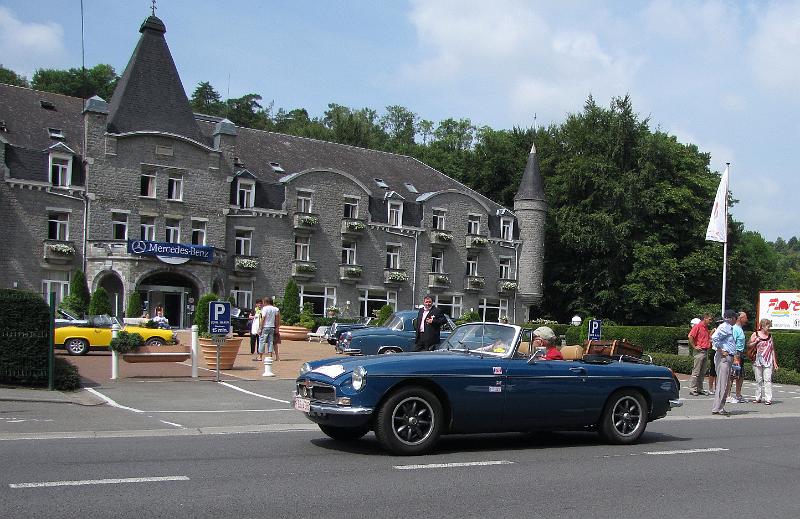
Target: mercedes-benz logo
{"points": [[138, 247]]}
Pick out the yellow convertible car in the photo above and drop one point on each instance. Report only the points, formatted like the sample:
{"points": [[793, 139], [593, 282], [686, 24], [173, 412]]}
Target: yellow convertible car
{"points": [[95, 332]]}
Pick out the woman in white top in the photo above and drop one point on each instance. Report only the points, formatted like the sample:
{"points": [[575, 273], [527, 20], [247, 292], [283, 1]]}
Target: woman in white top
{"points": [[255, 327], [766, 362]]}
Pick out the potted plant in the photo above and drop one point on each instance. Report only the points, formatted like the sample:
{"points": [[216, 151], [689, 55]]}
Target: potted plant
{"points": [[228, 350], [133, 349]]}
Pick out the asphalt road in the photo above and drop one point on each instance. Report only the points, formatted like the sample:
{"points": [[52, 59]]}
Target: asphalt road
{"points": [[201, 449]]}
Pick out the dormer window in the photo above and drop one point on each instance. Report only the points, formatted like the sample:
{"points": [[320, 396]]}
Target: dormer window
{"points": [[439, 219], [246, 194], [276, 167], [395, 214], [381, 183], [304, 200], [60, 170], [507, 229], [411, 188], [56, 133]]}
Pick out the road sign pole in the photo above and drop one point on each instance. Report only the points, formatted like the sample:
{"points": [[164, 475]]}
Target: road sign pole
{"points": [[218, 341]]}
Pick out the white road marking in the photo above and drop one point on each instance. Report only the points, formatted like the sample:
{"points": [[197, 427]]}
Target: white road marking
{"points": [[171, 423], [111, 402], [254, 394], [97, 482], [449, 465], [227, 411], [686, 451]]}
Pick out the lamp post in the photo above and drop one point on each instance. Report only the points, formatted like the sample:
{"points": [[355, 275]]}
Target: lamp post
{"points": [[576, 321]]}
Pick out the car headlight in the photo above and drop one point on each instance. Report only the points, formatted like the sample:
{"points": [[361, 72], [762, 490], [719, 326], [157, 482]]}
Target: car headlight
{"points": [[359, 378], [305, 368]]}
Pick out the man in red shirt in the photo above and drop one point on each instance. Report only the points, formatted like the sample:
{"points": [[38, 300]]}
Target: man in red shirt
{"points": [[545, 336], [700, 341]]}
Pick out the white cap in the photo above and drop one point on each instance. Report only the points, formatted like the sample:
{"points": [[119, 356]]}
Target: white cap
{"points": [[695, 321]]}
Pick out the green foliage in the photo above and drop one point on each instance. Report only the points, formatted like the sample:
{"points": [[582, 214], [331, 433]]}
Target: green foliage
{"points": [[559, 329], [9, 77], [469, 317], [134, 308], [80, 290], [201, 313], [307, 319], [24, 341], [384, 314], [99, 80], [684, 363], [100, 304], [290, 310], [654, 339], [787, 349], [126, 342], [206, 100], [65, 375]]}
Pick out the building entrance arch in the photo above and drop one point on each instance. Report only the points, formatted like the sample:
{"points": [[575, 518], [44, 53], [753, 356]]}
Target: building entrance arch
{"points": [[175, 292], [112, 284]]}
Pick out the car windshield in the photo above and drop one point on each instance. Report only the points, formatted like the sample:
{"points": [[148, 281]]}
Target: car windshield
{"points": [[100, 321], [395, 323], [484, 338]]}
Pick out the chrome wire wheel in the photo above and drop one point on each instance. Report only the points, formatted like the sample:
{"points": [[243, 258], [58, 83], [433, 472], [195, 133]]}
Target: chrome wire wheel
{"points": [[413, 420], [77, 346], [627, 416]]}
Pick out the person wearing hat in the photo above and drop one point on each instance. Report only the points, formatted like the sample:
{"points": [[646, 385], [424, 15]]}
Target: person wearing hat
{"points": [[547, 338], [700, 341], [725, 344]]}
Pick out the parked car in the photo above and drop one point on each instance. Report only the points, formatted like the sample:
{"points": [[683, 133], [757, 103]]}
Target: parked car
{"points": [[239, 321], [486, 377], [396, 336], [338, 329], [95, 332]]}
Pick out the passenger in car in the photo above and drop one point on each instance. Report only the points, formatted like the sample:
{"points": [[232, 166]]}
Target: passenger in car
{"points": [[545, 336]]}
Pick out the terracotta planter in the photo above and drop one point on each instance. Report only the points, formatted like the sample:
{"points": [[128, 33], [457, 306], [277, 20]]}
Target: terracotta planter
{"points": [[293, 333], [166, 353], [227, 354]]}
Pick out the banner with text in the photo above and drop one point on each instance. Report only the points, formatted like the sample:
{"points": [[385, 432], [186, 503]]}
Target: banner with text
{"points": [[781, 307], [171, 250]]}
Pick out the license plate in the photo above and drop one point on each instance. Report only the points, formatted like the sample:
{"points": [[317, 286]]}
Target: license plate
{"points": [[302, 404]]}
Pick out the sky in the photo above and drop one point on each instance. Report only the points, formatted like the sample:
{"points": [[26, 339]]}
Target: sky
{"points": [[723, 75]]}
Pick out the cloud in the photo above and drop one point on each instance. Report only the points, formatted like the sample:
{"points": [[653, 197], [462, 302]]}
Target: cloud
{"points": [[23, 45], [775, 46]]}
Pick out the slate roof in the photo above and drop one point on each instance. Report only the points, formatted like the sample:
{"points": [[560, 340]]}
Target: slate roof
{"points": [[531, 186], [150, 95], [27, 123]]}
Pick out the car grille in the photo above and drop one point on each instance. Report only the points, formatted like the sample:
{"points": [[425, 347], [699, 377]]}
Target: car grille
{"points": [[316, 391]]}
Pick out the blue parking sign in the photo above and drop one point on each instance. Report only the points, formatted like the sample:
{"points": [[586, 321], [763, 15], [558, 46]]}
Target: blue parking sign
{"points": [[219, 317], [594, 329]]}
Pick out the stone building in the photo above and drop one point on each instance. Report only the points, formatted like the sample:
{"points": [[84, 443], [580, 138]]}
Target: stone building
{"points": [[92, 184]]}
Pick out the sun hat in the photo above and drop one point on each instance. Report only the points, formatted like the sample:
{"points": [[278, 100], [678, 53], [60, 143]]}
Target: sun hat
{"points": [[545, 332]]}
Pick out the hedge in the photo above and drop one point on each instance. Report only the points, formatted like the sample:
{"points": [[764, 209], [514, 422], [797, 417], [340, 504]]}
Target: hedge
{"points": [[654, 339], [683, 364], [25, 343]]}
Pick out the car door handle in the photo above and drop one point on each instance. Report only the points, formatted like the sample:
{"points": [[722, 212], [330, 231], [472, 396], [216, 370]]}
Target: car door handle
{"points": [[578, 370]]}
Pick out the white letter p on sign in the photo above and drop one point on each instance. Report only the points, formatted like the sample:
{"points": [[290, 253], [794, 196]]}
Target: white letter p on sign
{"points": [[218, 310]]}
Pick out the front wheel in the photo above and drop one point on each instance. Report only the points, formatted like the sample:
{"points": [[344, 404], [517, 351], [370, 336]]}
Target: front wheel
{"points": [[155, 341], [77, 346], [410, 422], [344, 433], [624, 418]]}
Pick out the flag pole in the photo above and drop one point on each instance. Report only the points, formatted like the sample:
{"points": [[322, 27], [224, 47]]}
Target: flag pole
{"points": [[725, 244]]}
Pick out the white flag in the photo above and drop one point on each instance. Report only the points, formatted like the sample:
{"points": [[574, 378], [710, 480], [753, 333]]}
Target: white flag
{"points": [[718, 225]]}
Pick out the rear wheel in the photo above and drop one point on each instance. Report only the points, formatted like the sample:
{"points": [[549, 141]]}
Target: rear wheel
{"points": [[624, 418], [155, 341], [344, 433], [410, 421], [77, 346]]}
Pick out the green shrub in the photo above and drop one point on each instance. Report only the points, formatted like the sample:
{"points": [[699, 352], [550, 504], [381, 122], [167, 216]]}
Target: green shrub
{"points": [[151, 324], [469, 317], [307, 316], [126, 342], [559, 329], [79, 293], [787, 349], [100, 303], [290, 309], [65, 376], [201, 314], [654, 339], [684, 363], [24, 338], [384, 314], [134, 308]]}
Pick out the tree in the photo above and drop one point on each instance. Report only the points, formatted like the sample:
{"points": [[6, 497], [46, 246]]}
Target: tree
{"points": [[100, 303], [134, 308], [246, 111], [399, 123], [77, 302], [9, 77], [201, 314], [99, 80], [206, 100], [290, 309]]}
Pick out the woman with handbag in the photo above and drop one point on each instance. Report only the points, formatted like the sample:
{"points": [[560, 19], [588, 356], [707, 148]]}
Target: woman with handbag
{"points": [[765, 362]]}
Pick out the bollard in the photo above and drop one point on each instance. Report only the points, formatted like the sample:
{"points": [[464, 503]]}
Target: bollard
{"points": [[195, 348], [114, 355], [268, 367]]}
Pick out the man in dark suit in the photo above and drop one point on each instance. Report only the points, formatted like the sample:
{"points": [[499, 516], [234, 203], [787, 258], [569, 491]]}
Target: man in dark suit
{"points": [[429, 323]]}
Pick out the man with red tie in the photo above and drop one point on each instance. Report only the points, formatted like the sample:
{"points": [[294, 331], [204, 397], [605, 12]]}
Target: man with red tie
{"points": [[429, 323]]}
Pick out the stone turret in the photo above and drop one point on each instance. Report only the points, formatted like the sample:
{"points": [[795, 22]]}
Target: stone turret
{"points": [[530, 208]]}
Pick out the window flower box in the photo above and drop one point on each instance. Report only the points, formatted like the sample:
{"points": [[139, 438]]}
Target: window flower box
{"points": [[476, 242], [394, 277], [246, 263], [305, 223], [507, 286]]}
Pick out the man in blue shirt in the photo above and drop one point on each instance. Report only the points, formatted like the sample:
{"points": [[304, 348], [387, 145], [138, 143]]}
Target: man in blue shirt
{"points": [[725, 344], [738, 337]]}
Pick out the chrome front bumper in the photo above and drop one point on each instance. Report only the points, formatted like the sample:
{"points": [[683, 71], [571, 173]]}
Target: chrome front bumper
{"points": [[675, 403], [339, 410]]}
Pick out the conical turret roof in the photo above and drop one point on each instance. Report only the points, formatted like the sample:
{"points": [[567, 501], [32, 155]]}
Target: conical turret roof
{"points": [[531, 187], [150, 95]]}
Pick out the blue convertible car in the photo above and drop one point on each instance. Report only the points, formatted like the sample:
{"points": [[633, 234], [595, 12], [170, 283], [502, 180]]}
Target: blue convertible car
{"points": [[486, 377], [395, 336]]}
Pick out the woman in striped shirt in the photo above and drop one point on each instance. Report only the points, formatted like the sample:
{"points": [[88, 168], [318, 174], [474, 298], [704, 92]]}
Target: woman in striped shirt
{"points": [[765, 362]]}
